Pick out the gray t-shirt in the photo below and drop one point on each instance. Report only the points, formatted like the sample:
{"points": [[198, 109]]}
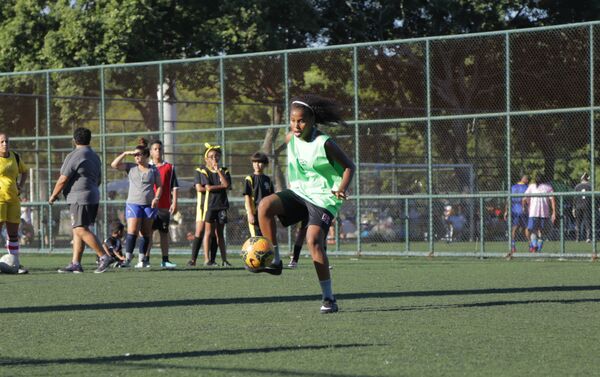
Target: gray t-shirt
{"points": [[84, 170], [582, 202], [141, 185]]}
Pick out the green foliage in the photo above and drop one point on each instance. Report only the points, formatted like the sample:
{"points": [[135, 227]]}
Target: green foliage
{"points": [[466, 76]]}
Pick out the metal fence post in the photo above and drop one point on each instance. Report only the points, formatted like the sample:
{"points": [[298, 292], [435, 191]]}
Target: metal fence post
{"points": [[592, 142], [103, 148], [429, 149], [481, 229], [49, 161], [508, 138], [356, 147]]}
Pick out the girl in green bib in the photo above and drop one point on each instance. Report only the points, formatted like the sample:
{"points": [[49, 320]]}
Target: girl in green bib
{"points": [[319, 174]]}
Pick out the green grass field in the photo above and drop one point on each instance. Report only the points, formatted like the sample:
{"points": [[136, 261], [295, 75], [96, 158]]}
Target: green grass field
{"points": [[399, 317]]}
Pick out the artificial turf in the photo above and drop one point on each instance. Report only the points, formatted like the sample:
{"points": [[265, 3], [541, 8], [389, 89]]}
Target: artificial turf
{"points": [[398, 317]]}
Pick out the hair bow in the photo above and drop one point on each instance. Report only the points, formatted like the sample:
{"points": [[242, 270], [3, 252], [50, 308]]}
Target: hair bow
{"points": [[210, 148]]}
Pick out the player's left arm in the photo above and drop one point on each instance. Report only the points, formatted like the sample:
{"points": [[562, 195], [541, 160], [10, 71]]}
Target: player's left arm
{"points": [[22, 177], [334, 153], [553, 206], [58, 187], [174, 189], [158, 191]]}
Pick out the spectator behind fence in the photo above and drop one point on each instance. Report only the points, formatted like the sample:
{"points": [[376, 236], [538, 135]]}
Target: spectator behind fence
{"points": [[582, 209], [539, 212], [518, 214]]}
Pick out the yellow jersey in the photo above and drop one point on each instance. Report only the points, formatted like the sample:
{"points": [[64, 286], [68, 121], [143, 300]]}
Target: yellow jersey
{"points": [[10, 170]]}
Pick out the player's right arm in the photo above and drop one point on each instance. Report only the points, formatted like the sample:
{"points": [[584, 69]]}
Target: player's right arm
{"points": [[198, 182], [249, 204], [117, 162], [60, 184]]}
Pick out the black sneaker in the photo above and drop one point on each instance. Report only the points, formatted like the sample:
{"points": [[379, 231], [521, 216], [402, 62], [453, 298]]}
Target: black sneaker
{"points": [[105, 262], [329, 306], [226, 264], [274, 269]]}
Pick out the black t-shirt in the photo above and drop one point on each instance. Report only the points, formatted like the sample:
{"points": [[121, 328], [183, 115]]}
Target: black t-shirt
{"points": [[258, 187], [582, 202], [114, 245], [216, 199]]}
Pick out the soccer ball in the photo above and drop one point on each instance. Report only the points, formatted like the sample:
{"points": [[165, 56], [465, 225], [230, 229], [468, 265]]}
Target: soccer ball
{"points": [[257, 252], [8, 264]]}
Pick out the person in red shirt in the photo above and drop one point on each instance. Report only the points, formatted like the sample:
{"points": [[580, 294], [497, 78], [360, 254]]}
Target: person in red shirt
{"points": [[167, 205]]}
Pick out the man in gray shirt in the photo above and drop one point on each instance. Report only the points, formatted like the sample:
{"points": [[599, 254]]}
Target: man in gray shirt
{"points": [[79, 179]]}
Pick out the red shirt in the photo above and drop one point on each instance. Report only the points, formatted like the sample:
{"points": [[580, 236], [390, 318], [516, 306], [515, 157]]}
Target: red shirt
{"points": [[168, 180]]}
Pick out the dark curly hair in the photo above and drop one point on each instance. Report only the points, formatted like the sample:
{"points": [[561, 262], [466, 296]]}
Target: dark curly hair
{"points": [[324, 110], [82, 136]]}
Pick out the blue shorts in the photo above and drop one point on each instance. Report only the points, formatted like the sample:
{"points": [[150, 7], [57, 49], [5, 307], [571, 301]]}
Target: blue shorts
{"points": [[137, 211], [519, 219], [535, 223]]}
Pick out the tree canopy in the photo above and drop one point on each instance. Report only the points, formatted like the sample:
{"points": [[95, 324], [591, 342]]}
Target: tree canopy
{"points": [[37, 34], [40, 34]]}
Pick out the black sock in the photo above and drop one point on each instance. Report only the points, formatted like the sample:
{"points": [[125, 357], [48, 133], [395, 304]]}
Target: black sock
{"points": [[144, 245], [196, 244], [297, 249], [214, 246], [165, 258]]}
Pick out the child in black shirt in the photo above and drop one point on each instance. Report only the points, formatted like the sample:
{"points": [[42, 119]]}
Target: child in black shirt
{"points": [[216, 182], [257, 186]]}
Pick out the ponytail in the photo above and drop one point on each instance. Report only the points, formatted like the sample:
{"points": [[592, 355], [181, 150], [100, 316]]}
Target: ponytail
{"points": [[324, 110]]}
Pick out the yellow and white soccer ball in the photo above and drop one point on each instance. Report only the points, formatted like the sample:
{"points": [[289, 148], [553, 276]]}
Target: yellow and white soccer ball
{"points": [[9, 264], [257, 252]]}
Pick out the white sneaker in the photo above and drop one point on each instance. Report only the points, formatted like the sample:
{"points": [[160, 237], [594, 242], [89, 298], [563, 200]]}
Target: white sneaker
{"points": [[293, 264], [142, 265]]}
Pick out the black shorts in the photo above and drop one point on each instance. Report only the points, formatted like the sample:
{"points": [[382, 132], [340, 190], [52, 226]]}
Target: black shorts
{"points": [[296, 209], [216, 215], [161, 221], [83, 215]]}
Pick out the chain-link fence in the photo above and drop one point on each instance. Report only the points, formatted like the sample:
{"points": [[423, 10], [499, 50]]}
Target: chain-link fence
{"points": [[440, 130]]}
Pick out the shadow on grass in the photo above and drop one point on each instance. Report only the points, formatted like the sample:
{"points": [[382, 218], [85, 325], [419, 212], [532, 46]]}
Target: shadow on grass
{"points": [[298, 298], [477, 305], [120, 359]]}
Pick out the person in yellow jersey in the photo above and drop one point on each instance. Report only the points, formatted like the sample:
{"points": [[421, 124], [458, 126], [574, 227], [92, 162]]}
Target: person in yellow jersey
{"points": [[319, 173], [12, 169]]}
